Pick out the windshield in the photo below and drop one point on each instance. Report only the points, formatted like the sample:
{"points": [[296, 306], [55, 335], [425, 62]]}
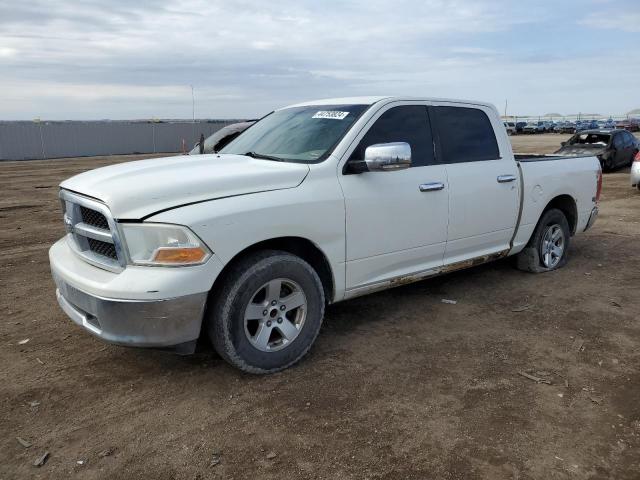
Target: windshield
{"points": [[300, 134], [590, 139]]}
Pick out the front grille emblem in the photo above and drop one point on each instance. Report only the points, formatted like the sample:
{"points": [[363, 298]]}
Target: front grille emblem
{"points": [[68, 224]]}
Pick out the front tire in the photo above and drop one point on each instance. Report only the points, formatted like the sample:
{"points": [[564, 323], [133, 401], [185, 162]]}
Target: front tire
{"points": [[548, 247], [267, 313]]}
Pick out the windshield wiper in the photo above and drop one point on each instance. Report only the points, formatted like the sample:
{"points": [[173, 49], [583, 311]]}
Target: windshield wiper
{"points": [[264, 157]]}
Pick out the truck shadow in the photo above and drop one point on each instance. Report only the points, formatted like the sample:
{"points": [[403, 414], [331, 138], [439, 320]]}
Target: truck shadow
{"points": [[381, 310], [377, 307]]}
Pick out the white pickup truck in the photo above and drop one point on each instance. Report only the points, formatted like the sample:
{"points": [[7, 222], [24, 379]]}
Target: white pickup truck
{"points": [[314, 204]]}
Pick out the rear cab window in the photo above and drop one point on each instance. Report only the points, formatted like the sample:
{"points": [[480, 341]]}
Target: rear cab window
{"points": [[465, 134]]}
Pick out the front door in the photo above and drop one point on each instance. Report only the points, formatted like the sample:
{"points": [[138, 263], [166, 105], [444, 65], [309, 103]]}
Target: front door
{"points": [[396, 222]]}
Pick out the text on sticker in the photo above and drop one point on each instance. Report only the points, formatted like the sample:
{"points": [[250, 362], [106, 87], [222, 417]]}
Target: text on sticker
{"points": [[331, 114]]}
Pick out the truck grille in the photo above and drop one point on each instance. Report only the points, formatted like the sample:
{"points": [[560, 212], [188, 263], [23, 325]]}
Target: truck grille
{"points": [[92, 233], [93, 218], [103, 248]]}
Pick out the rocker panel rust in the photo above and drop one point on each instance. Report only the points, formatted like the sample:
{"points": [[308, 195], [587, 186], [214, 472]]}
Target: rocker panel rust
{"points": [[416, 277]]}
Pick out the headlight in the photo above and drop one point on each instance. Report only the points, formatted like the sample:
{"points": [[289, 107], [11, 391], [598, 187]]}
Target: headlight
{"points": [[163, 245]]}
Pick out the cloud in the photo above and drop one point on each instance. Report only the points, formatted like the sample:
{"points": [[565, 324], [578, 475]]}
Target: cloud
{"points": [[119, 59], [615, 20]]}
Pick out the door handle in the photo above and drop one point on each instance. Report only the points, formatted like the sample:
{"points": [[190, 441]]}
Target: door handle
{"points": [[506, 178], [431, 187]]}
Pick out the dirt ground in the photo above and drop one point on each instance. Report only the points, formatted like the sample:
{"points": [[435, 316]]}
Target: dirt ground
{"points": [[398, 386]]}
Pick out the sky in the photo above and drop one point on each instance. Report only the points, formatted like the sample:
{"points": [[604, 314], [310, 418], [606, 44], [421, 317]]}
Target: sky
{"points": [[137, 59]]}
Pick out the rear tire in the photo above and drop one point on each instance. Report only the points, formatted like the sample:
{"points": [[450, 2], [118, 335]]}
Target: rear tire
{"points": [[607, 165], [548, 247], [267, 313]]}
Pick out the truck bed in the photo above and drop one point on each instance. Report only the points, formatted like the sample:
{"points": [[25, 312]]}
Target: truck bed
{"points": [[557, 176]]}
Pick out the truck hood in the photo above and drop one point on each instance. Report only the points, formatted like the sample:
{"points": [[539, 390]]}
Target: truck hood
{"points": [[135, 190], [581, 150]]}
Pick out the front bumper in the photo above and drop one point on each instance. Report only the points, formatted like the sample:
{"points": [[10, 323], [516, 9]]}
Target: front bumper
{"points": [[140, 306], [151, 323]]}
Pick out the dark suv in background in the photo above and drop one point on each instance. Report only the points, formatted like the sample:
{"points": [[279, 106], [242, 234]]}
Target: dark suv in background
{"points": [[614, 148]]}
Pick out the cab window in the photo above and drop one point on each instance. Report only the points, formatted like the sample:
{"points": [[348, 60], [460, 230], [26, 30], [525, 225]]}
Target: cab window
{"points": [[465, 135], [410, 124]]}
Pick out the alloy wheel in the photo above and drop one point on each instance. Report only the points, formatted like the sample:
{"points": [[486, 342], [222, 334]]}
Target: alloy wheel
{"points": [[552, 247], [275, 315]]}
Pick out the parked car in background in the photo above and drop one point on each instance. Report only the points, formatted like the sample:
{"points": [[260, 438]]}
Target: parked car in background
{"points": [[606, 124], [630, 124], [520, 127], [534, 127], [635, 171], [614, 148], [511, 127], [316, 203], [566, 127], [582, 125], [219, 139], [588, 125]]}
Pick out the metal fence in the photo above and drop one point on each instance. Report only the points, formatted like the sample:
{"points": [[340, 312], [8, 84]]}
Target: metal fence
{"points": [[565, 118], [38, 140]]}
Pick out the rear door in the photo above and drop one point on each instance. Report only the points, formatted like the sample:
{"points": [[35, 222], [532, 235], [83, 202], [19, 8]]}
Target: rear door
{"points": [[629, 148], [622, 150], [396, 221], [483, 181]]}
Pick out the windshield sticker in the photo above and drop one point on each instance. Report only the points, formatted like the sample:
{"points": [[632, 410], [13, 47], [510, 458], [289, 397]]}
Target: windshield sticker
{"points": [[331, 114]]}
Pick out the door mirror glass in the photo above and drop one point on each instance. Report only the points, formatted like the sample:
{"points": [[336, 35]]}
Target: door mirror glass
{"points": [[387, 157]]}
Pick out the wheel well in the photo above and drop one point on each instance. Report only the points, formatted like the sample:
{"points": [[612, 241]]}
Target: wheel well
{"points": [[298, 246], [567, 205]]}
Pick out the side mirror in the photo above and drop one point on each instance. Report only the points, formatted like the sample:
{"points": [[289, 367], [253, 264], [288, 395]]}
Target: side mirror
{"points": [[386, 157], [382, 157]]}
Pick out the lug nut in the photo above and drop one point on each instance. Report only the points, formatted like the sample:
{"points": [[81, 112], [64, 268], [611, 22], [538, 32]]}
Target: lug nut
{"points": [[264, 313], [269, 323], [279, 319], [273, 302], [283, 307]]}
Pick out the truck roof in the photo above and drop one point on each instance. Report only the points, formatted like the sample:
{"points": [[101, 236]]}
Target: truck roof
{"points": [[370, 100]]}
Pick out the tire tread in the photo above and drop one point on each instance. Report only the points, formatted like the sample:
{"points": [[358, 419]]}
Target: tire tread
{"points": [[528, 260]]}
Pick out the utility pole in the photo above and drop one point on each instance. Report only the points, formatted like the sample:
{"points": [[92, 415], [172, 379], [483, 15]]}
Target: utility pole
{"points": [[505, 108], [193, 114], [193, 105]]}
